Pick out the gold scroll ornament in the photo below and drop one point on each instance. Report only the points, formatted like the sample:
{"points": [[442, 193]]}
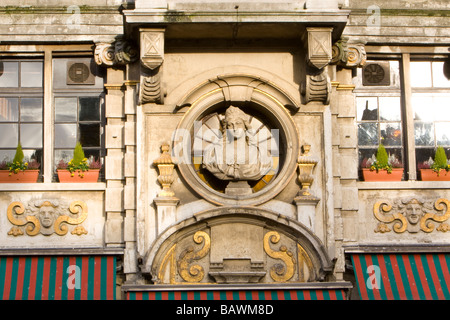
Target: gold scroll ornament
{"points": [[33, 225], [381, 211], [279, 273]]}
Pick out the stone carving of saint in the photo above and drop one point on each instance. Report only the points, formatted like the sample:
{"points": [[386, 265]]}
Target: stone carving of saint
{"points": [[237, 156]]}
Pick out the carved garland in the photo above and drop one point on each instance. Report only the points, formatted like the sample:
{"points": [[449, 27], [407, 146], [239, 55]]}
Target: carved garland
{"points": [[412, 215]]}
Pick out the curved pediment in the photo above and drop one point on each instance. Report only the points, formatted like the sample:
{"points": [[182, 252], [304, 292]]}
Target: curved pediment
{"points": [[237, 245]]}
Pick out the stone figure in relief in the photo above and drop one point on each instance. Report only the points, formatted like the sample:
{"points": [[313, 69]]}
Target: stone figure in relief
{"points": [[237, 155]]}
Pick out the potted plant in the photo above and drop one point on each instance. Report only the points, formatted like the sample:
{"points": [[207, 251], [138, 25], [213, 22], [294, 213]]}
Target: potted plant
{"points": [[382, 167], [19, 171], [437, 169], [79, 169]]}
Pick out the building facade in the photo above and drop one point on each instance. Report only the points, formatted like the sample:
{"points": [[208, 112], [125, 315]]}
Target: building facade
{"points": [[232, 138]]}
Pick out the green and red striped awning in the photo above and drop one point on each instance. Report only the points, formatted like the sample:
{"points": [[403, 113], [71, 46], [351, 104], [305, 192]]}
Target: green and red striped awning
{"points": [[316, 291], [402, 276], [57, 277]]}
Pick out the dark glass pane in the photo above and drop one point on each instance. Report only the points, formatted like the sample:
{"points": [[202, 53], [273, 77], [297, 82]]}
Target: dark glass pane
{"points": [[367, 108], [394, 154], [423, 157], [65, 109], [89, 109], [391, 134], [365, 155], [424, 133], [65, 135], [9, 135], [9, 109], [367, 134], [31, 74], [9, 74], [31, 135], [90, 135], [33, 154], [31, 109], [92, 153]]}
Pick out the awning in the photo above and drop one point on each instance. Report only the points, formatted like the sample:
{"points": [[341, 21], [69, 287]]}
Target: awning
{"points": [[402, 276], [57, 277], [304, 291]]}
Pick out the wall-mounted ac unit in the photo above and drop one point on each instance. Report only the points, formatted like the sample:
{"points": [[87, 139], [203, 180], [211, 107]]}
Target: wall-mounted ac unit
{"points": [[376, 74], [79, 73]]}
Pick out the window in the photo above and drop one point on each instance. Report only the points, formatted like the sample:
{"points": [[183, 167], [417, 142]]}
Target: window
{"points": [[78, 108], [410, 117], [74, 100], [378, 110], [431, 109], [21, 108]]}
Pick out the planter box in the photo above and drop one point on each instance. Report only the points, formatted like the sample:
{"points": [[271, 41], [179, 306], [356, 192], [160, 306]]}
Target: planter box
{"points": [[430, 175], [383, 175], [27, 176], [65, 176]]}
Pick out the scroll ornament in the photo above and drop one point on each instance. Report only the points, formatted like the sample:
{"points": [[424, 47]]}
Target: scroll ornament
{"points": [[412, 215], [119, 52], [46, 217]]}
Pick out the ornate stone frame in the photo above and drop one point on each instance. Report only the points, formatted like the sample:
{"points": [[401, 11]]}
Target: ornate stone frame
{"points": [[241, 88]]}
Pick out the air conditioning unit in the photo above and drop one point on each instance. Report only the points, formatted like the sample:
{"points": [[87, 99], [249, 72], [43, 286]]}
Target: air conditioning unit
{"points": [[376, 74], [79, 73]]}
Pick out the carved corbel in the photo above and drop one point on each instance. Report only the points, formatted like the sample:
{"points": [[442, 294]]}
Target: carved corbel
{"points": [[348, 54], [317, 85], [119, 52], [152, 58]]}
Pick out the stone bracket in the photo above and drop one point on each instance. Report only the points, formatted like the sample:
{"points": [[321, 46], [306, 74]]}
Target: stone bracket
{"points": [[348, 54], [152, 58]]}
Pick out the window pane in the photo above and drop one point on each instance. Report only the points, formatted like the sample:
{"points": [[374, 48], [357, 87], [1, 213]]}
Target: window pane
{"points": [[441, 105], [442, 133], [64, 155], [90, 135], [367, 108], [439, 79], [421, 105], [424, 155], [31, 74], [9, 74], [421, 74], [31, 135], [391, 134], [390, 108], [89, 109], [9, 109], [424, 133], [9, 135], [367, 134], [31, 109], [65, 135], [7, 155], [66, 109]]}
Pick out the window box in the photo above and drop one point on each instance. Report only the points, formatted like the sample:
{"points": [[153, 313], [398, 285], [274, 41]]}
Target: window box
{"points": [[65, 176], [431, 175], [27, 176], [382, 175]]}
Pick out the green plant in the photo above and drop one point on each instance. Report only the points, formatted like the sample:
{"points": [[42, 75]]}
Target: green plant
{"points": [[18, 163], [440, 161], [79, 162], [383, 161]]}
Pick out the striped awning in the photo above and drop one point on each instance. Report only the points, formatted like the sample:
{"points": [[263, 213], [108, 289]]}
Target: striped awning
{"points": [[402, 276], [321, 291], [57, 277]]}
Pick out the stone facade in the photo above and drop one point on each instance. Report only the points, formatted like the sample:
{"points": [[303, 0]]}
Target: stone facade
{"points": [[170, 72]]}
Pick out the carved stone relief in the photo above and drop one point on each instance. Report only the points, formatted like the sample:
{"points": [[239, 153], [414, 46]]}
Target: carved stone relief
{"points": [[120, 52], [348, 54], [412, 215], [47, 217]]}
